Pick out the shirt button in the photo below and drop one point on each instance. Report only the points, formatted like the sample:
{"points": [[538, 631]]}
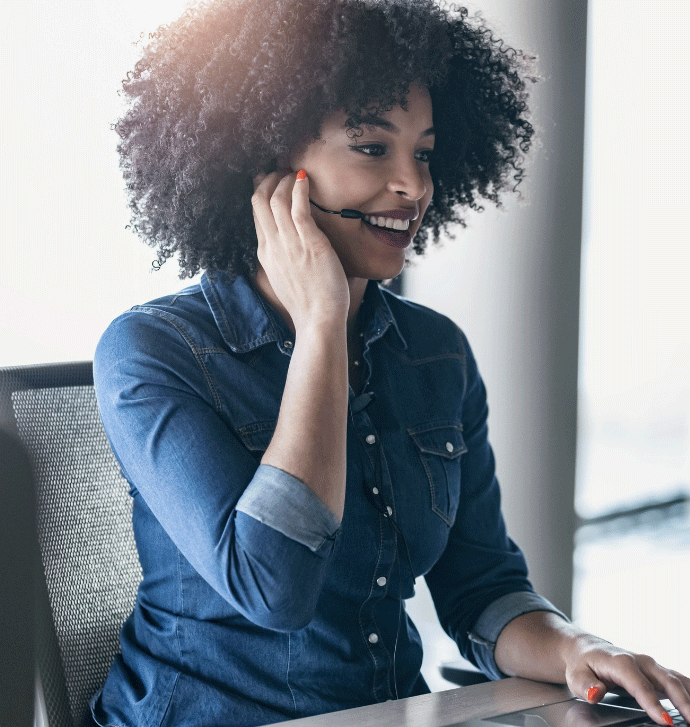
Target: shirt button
{"points": [[375, 490], [390, 510], [381, 581], [373, 638], [449, 446], [370, 439], [287, 344]]}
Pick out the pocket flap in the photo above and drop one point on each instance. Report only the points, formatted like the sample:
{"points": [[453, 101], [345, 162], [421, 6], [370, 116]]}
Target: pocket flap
{"points": [[257, 436], [441, 438]]}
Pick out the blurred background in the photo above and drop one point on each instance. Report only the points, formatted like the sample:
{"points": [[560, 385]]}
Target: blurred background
{"points": [[576, 300]]}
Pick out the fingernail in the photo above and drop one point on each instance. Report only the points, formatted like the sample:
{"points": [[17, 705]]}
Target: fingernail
{"points": [[592, 693], [301, 174], [667, 718]]}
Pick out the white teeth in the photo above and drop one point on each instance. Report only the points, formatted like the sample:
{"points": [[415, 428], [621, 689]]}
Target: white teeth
{"points": [[388, 222]]}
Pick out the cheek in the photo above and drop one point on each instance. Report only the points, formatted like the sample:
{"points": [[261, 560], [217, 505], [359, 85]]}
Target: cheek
{"points": [[425, 201], [345, 186]]}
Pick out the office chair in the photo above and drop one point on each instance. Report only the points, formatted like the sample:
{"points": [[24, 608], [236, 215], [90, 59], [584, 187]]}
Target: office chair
{"points": [[89, 568], [18, 560]]}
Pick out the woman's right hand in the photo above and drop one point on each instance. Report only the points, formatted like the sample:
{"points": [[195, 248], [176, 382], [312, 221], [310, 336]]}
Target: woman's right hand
{"points": [[297, 257]]}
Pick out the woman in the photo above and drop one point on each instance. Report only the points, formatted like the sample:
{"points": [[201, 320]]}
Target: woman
{"points": [[302, 444]]}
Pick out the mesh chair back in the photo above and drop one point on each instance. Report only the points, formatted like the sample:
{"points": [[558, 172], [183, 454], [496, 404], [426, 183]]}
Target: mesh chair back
{"points": [[89, 558]]}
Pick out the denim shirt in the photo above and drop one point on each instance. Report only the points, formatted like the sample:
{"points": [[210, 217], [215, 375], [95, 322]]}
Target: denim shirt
{"points": [[257, 605]]}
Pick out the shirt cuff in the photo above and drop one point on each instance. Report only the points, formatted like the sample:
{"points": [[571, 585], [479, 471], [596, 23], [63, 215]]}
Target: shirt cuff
{"points": [[495, 618], [284, 503]]}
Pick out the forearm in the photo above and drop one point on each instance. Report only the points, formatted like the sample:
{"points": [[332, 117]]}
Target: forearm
{"points": [[536, 646], [310, 437]]}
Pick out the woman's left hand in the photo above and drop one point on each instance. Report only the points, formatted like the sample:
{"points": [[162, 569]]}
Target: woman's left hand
{"points": [[595, 666], [543, 646]]}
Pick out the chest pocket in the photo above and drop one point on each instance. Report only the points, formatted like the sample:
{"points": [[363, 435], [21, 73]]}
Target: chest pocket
{"points": [[257, 436], [440, 445]]}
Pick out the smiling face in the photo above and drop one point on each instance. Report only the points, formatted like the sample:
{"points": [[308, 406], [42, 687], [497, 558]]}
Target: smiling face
{"points": [[384, 173]]}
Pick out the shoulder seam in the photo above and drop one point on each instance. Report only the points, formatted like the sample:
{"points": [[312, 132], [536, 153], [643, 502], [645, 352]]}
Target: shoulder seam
{"points": [[217, 402]]}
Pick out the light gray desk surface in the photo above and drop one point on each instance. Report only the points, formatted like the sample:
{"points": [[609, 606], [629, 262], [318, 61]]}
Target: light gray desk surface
{"points": [[441, 709]]}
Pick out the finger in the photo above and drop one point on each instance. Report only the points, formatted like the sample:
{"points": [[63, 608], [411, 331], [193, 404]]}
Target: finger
{"points": [[633, 675], [586, 684], [281, 204], [623, 671], [263, 216], [301, 207], [673, 685]]}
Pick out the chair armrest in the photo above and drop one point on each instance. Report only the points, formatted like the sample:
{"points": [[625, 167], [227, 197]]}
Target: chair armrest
{"points": [[462, 673]]}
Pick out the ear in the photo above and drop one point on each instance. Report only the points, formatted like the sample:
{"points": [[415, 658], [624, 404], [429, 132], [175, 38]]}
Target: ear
{"points": [[283, 162]]}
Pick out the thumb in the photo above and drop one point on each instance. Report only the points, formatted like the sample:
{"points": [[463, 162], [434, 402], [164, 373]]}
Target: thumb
{"points": [[585, 684]]}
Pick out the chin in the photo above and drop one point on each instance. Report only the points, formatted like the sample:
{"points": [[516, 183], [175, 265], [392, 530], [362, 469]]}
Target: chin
{"points": [[377, 270]]}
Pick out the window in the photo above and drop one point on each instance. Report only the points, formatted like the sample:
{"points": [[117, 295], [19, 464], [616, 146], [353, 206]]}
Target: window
{"points": [[633, 485]]}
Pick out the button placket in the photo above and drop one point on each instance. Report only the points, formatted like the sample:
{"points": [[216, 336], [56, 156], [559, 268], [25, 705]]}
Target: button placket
{"points": [[368, 441]]}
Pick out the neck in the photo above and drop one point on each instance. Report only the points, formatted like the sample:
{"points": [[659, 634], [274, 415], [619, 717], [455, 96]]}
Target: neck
{"points": [[357, 287]]}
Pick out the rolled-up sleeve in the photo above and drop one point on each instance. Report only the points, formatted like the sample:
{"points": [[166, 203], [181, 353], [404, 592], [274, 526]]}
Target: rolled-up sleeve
{"points": [[284, 503], [495, 618]]}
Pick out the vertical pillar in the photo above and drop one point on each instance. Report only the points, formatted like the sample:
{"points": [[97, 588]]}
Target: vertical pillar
{"points": [[511, 281]]}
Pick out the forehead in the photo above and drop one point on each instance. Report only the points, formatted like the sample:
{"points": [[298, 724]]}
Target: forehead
{"points": [[415, 121]]}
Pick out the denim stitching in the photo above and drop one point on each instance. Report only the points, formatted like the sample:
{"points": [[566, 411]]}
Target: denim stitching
{"points": [[425, 458], [287, 677], [446, 519], [209, 382], [182, 608], [428, 359], [172, 693], [464, 361], [210, 288], [268, 338], [188, 292]]}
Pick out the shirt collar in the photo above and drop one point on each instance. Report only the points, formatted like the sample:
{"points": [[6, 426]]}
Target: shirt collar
{"points": [[246, 320]]}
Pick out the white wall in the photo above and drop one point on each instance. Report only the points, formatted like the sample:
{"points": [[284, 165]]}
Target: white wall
{"points": [[67, 264]]}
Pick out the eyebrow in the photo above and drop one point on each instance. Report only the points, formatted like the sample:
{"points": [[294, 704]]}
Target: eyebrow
{"points": [[371, 120]]}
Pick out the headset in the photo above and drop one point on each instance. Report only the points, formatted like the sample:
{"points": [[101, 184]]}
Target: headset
{"points": [[347, 213]]}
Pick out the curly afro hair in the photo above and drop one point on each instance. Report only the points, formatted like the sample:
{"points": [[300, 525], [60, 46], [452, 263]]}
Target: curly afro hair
{"points": [[220, 93]]}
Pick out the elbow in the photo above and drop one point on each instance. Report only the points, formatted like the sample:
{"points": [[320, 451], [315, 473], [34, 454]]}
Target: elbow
{"points": [[274, 581], [284, 611], [283, 619], [279, 597]]}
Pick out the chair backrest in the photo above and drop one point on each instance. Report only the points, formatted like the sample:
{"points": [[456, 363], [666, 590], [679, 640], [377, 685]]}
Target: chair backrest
{"points": [[90, 566], [18, 566]]}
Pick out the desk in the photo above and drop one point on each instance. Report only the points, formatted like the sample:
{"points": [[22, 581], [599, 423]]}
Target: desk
{"points": [[440, 709]]}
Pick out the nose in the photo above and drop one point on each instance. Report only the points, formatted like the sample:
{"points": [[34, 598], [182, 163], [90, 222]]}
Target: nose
{"points": [[410, 179]]}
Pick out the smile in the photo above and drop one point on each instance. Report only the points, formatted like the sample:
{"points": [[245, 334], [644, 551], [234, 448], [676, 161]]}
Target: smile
{"points": [[387, 223]]}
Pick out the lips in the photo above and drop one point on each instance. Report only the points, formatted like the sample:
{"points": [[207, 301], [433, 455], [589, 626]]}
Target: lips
{"points": [[393, 238], [398, 214]]}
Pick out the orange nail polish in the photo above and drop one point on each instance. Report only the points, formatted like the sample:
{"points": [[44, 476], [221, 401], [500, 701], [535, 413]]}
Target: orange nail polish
{"points": [[301, 174], [667, 718], [592, 693]]}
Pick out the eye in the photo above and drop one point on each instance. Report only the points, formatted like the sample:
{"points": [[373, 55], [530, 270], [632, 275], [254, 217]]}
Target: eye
{"points": [[377, 150], [373, 150], [425, 155]]}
